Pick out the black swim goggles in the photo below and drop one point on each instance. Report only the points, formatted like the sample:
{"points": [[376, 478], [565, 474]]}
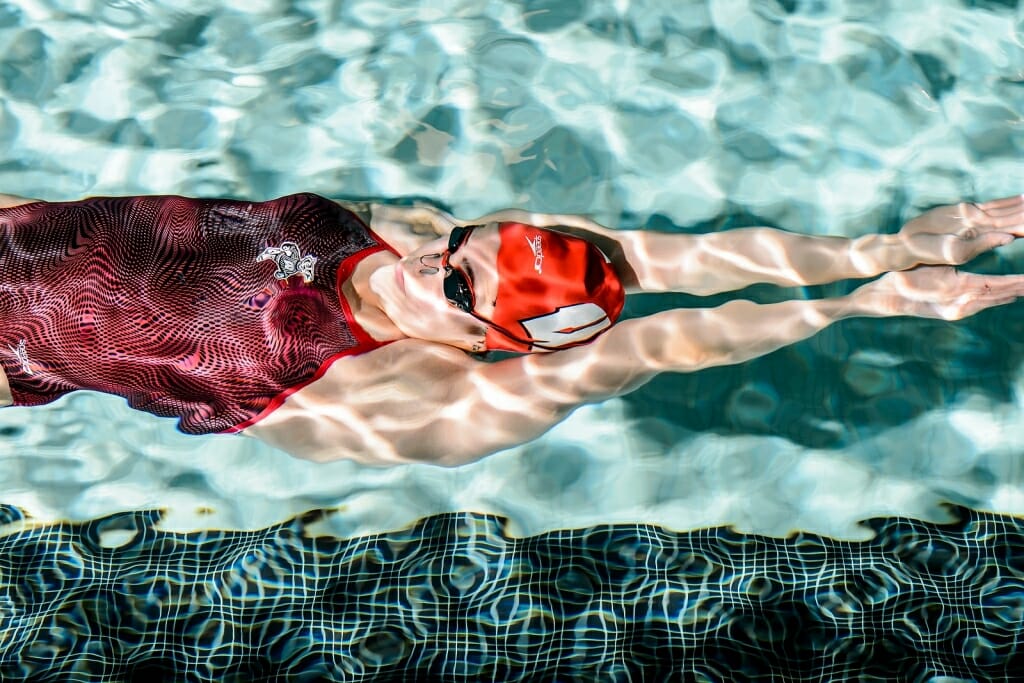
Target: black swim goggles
{"points": [[457, 288]]}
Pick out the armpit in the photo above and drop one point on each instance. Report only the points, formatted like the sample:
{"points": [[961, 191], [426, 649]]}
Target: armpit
{"points": [[362, 210]]}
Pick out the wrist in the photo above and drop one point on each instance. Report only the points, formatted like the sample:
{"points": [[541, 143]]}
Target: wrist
{"points": [[821, 313], [875, 254], [865, 303]]}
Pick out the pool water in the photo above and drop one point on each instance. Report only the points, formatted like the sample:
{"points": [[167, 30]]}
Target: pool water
{"points": [[821, 117]]}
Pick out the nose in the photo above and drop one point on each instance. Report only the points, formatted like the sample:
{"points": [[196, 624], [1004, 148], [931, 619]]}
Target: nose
{"points": [[429, 269]]}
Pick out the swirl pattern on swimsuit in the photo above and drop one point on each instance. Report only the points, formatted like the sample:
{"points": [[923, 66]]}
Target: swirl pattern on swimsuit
{"points": [[210, 311]]}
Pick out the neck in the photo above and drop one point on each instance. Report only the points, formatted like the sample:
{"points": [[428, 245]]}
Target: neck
{"points": [[365, 303]]}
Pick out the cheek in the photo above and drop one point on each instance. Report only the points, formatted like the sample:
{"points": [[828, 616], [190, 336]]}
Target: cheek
{"points": [[422, 311], [425, 314], [424, 305]]}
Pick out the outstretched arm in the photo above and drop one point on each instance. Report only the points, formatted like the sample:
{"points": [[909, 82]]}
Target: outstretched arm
{"points": [[718, 262], [734, 259], [415, 401], [516, 400]]}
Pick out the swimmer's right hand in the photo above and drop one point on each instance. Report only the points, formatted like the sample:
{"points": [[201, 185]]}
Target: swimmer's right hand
{"points": [[939, 292], [955, 234]]}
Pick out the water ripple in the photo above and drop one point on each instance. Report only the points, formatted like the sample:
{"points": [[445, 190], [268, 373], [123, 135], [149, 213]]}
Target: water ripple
{"points": [[455, 598]]}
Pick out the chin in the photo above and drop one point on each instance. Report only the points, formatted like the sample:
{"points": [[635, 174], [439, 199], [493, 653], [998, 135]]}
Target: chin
{"points": [[426, 336]]}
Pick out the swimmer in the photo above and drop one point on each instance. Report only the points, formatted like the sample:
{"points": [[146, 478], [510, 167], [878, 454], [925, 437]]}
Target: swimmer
{"points": [[345, 330]]}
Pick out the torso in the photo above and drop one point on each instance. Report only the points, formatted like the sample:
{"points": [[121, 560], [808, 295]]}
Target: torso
{"points": [[140, 298]]}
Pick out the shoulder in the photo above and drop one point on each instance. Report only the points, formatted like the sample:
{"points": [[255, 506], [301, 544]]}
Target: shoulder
{"points": [[360, 210], [405, 228], [371, 407]]}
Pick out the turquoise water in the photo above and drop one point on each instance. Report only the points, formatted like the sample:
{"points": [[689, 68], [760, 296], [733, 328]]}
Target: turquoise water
{"points": [[816, 117], [841, 117]]}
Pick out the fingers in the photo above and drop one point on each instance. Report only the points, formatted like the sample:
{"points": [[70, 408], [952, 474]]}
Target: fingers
{"points": [[1006, 203], [971, 288], [991, 240], [949, 293], [1007, 220], [988, 291], [1005, 214], [998, 286]]}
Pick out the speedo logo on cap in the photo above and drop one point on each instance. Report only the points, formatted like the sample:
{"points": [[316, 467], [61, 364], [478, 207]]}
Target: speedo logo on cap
{"points": [[538, 254]]}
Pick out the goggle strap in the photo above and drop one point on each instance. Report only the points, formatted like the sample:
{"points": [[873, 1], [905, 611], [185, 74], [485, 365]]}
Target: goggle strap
{"points": [[519, 340]]}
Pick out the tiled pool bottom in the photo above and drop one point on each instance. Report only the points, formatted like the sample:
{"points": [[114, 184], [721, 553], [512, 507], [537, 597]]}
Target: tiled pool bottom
{"points": [[454, 598]]}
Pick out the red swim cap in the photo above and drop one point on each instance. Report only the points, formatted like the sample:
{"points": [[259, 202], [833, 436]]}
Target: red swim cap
{"points": [[554, 291]]}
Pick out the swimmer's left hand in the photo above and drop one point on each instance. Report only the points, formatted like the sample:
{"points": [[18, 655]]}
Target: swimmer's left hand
{"points": [[955, 234], [939, 292]]}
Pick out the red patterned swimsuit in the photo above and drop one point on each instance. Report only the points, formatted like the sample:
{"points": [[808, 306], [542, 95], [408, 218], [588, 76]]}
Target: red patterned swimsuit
{"points": [[211, 311]]}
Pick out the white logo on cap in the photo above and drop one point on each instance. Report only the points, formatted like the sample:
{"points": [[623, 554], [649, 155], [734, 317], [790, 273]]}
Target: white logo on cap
{"points": [[568, 324], [538, 254]]}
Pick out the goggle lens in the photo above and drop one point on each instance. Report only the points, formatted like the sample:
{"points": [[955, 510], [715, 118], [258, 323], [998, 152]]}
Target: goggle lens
{"points": [[456, 285]]}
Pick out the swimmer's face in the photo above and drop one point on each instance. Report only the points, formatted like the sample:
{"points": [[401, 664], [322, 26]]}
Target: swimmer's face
{"points": [[413, 291]]}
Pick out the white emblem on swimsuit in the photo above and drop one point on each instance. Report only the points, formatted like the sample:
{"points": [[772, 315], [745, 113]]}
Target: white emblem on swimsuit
{"points": [[290, 261], [22, 355]]}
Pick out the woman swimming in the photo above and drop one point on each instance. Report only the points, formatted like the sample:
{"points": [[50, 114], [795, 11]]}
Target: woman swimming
{"points": [[341, 330]]}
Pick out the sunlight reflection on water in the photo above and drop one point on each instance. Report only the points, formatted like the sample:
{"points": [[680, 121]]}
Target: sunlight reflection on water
{"points": [[835, 118]]}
